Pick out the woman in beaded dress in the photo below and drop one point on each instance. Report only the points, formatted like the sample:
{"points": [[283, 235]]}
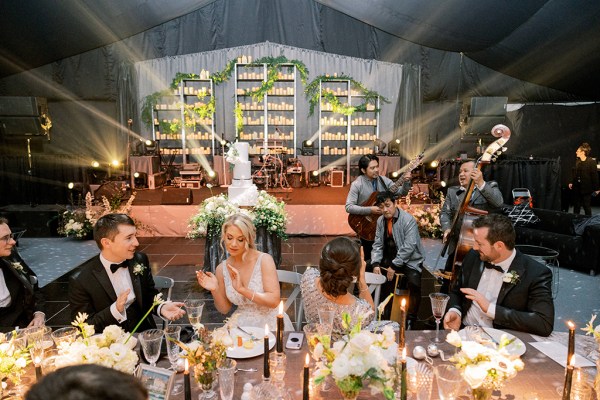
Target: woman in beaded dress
{"points": [[327, 287], [247, 279]]}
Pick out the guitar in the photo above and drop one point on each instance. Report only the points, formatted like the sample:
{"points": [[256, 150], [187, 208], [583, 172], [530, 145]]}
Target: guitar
{"points": [[366, 225], [461, 233]]}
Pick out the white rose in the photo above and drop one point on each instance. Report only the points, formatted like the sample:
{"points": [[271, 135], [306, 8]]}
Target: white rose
{"points": [[318, 351], [506, 278], [474, 375], [21, 362], [454, 339], [362, 341]]}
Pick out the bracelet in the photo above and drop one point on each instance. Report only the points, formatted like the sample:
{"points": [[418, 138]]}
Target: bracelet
{"points": [[363, 290], [253, 294]]}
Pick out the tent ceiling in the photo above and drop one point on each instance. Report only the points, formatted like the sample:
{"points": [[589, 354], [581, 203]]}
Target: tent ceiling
{"points": [[553, 43]]}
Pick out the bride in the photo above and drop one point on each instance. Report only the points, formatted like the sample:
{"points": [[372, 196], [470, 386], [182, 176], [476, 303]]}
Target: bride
{"points": [[247, 279]]}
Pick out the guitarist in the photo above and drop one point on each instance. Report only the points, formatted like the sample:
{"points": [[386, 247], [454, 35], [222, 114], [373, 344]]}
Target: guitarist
{"points": [[486, 196], [361, 189]]}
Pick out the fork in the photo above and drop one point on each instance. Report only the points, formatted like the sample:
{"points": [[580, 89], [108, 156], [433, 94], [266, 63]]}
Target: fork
{"points": [[252, 337], [482, 329]]}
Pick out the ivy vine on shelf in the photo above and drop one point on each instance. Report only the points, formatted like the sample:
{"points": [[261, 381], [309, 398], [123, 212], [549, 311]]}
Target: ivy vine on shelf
{"points": [[274, 67], [369, 96], [239, 115]]}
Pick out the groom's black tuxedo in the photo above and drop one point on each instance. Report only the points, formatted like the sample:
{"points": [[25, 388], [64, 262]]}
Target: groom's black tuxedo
{"points": [[25, 294], [525, 306], [91, 292]]}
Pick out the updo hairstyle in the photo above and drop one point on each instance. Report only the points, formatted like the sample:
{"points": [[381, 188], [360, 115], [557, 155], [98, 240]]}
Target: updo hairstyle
{"points": [[339, 265], [244, 224]]}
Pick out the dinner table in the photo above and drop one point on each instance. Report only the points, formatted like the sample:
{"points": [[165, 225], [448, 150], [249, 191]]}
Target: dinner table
{"points": [[542, 377]]}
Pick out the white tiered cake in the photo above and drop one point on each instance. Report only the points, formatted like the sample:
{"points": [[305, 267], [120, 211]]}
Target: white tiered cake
{"points": [[242, 191]]}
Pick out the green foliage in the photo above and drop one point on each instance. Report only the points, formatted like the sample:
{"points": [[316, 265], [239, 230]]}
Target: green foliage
{"points": [[150, 102], [274, 66], [180, 76], [223, 76], [239, 114]]}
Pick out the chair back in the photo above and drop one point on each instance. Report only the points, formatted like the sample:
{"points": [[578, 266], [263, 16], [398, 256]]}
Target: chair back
{"points": [[374, 282], [164, 283], [295, 297]]}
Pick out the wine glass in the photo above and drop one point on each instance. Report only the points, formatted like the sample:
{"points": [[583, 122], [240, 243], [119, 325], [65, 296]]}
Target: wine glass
{"points": [[438, 307], [194, 312], [151, 341], [172, 335]]}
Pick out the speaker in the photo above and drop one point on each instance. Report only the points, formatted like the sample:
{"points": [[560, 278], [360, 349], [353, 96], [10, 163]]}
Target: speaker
{"points": [[21, 126], [337, 178], [488, 106], [482, 125], [156, 181], [22, 106], [177, 197]]}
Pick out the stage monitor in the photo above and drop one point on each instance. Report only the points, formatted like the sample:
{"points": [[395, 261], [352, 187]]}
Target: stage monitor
{"points": [[477, 126], [488, 106]]}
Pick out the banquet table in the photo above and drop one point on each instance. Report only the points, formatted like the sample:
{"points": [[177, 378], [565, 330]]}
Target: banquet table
{"points": [[541, 375]]}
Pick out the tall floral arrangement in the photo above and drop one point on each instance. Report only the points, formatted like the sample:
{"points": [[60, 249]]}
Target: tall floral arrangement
{"points": [[270, 213], [359, 357], [211, 215], [75, 223], [484, 367], [13, 360], [107, 349]]}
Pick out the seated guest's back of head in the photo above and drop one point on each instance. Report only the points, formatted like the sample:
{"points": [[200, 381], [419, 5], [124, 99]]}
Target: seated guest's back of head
{"points": [[88, 382], [339, 265]]}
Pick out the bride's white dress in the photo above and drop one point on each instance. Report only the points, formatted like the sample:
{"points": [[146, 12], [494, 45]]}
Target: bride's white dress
{"points": [[249, 313]]}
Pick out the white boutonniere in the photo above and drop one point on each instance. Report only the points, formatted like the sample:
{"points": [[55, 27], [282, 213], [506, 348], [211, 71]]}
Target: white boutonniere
{"points": [[511, 277], [17, 266], [138, 269]]}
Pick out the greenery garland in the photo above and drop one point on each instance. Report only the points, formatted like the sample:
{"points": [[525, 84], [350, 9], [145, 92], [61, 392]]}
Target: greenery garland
{"points": [[274, 66], [225, 75], [369, 96], [180, 76], [239, 115]]}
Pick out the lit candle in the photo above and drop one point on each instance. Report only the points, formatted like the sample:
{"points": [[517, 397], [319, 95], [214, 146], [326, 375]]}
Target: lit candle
{"points": [[266, 370], [571, 348], [403, 381], [306, 384], [401, 343], [186, 381], [279, 345], [568, 379], [38, 368]]}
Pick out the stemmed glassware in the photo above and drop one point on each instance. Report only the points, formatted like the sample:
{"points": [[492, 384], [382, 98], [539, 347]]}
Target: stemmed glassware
{"points": [[438, 307], [194, 309], [172, 335], [151, 341]]}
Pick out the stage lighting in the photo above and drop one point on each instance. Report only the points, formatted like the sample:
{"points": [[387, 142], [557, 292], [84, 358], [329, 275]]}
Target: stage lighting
{"points": [[314, 178], [115, 163], [394, 147], [308, 148], [211, 178], [95, 164], [434, 164], [150, 147], [140, 180]]}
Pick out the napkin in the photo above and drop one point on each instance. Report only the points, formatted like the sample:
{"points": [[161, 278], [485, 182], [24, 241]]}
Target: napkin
{"points": [[558, 352]]}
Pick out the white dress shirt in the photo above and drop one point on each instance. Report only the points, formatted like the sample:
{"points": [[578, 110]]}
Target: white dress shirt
{"points": [[4, 293], [489, 286], [121, 281]]}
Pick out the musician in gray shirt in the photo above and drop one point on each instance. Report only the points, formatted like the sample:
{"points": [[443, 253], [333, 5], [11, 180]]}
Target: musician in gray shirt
{"points": [[364, 185]]}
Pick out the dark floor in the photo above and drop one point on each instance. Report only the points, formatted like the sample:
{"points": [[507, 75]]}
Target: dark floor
{"points": [[577, 296]]}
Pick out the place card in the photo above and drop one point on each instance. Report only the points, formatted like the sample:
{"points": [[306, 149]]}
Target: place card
{"points": [[558, 352]]}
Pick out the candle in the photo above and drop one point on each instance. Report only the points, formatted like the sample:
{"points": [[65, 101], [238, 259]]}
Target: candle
{"points": [[568, 379], [186, 381], [38, 372], [266, 370], [306, 383], [279, 345], [403, 381], [401, 343], [571, 348]]}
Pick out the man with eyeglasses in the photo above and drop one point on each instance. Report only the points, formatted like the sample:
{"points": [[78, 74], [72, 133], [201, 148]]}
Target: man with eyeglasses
{"points": [[21, 301]]}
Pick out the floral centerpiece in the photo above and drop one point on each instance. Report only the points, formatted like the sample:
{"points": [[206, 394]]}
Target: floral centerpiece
{"points": [[359, 358], [428, 219], [211, 215], [75, 223], [590, 329], [206, 353], [484, 367], [108, 349], [13, 360], [270, 213]]}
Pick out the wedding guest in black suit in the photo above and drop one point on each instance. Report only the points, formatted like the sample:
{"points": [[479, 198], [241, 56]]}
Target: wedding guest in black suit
{"points": [[21, 301], [116, 287], [584, 180], [511, 291]]}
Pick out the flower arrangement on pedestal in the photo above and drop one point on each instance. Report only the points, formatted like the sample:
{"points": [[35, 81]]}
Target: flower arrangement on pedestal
{"points": [[270, 213], [484, 367], [360, 358], [13, 360], [108, 349], [428, 219], [75, 223]]}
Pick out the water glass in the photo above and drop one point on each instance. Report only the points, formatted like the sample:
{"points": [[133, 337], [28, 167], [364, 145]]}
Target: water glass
{"points": [[326, 319], [65, 335], [449, 381], [35, 342], [151, 341], [312, 331], [420, 379], [277, 364], [227, 378]]}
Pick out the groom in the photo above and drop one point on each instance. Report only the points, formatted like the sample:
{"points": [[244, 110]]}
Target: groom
{"points": [[116, 287], [499, 286]]}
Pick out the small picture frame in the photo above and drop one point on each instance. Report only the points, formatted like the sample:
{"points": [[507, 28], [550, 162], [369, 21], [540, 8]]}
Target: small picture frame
{"points": [[158, 381]]}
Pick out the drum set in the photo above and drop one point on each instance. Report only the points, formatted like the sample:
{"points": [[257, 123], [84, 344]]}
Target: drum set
{"points": [[278, 171]]}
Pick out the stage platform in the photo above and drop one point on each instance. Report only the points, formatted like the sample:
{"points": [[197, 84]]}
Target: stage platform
{"points": [[311, 211]]}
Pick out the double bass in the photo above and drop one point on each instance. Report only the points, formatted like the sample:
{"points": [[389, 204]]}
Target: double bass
{"points": [[461, 232]]}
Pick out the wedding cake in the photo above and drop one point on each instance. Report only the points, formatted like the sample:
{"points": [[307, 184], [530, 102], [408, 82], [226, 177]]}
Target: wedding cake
{"points": [[242, 191]]}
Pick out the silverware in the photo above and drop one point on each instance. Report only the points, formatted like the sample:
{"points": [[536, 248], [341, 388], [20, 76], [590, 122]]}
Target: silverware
{"points": [[252, 337], [246, 369], [482, 329]]}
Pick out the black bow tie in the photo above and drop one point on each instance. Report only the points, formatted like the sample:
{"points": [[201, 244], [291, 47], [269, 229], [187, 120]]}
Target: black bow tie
{"points": [[115, 267], [492, 266]]}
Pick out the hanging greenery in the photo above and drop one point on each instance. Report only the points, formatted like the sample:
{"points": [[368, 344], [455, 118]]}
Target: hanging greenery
{"points": [[225, 75], [150, 102], [274, 66], [239, 114], [180, 76], [368, 96]]}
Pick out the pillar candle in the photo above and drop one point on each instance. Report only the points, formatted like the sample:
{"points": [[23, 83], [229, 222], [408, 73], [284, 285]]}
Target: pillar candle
{"points": [[401, 340], [186, 381], [279, 342], [306, 383], [266, 369], [568, 379], [571, 348], [403, 376]]}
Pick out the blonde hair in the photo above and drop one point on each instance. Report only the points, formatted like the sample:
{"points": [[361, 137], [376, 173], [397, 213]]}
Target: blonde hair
{"points": [[244, 224]]}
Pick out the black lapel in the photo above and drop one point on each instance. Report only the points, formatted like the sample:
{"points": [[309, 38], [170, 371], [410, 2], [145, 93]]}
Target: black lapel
{"points": [[19, 276], [507, 287], [102, 276]]}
